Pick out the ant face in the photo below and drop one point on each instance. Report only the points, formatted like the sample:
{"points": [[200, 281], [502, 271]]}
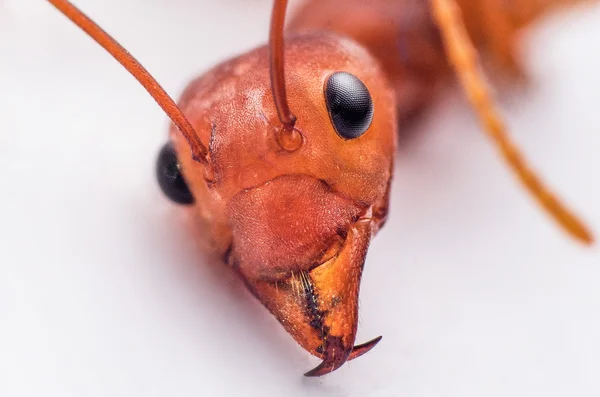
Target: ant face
{"points": [[296, 217]]}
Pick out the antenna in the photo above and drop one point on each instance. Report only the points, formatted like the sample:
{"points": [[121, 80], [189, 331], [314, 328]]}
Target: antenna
{"points": [[199, 152], [276, 65]]}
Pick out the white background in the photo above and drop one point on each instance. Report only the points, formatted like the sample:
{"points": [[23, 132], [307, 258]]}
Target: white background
{"points": [[101, 290]]}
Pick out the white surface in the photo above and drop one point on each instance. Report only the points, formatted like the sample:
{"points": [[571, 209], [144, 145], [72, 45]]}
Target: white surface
{"points": [[474, 290]]}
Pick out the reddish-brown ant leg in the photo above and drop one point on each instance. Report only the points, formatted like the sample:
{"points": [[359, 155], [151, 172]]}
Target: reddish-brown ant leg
{"points": [[464, 59]]}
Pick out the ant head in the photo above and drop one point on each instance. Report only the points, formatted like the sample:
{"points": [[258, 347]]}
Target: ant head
{"points": [[291, 200], [296, 204]]}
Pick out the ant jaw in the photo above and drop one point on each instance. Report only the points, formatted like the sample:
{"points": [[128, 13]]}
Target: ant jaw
{"points": [[319, 307], [334, 359]]}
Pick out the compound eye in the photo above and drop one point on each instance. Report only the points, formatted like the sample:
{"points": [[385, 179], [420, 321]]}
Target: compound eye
{"points": [[349, 104], [170, 179]]}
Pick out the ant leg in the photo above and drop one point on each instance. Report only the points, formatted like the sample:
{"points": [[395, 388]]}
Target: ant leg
{"points": [[463, 58]]}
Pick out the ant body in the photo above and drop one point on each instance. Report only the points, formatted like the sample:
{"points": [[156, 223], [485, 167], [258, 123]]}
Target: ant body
{"points": [[291, 162]]}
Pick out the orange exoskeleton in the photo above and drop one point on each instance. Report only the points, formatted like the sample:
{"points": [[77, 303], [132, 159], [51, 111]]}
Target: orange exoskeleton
{"points": [[292, 148]]}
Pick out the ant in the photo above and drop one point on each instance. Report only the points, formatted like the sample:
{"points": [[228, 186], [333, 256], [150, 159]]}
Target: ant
{"points": [[285, 155]]}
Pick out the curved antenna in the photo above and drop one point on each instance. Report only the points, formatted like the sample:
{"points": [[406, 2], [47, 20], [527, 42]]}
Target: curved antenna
{"points": [[276, 65], [463, 58], [199, 152]]}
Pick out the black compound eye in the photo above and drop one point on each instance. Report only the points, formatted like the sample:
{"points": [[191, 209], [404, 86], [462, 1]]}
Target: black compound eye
{"points": [[349, 104], [170, 180]]}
